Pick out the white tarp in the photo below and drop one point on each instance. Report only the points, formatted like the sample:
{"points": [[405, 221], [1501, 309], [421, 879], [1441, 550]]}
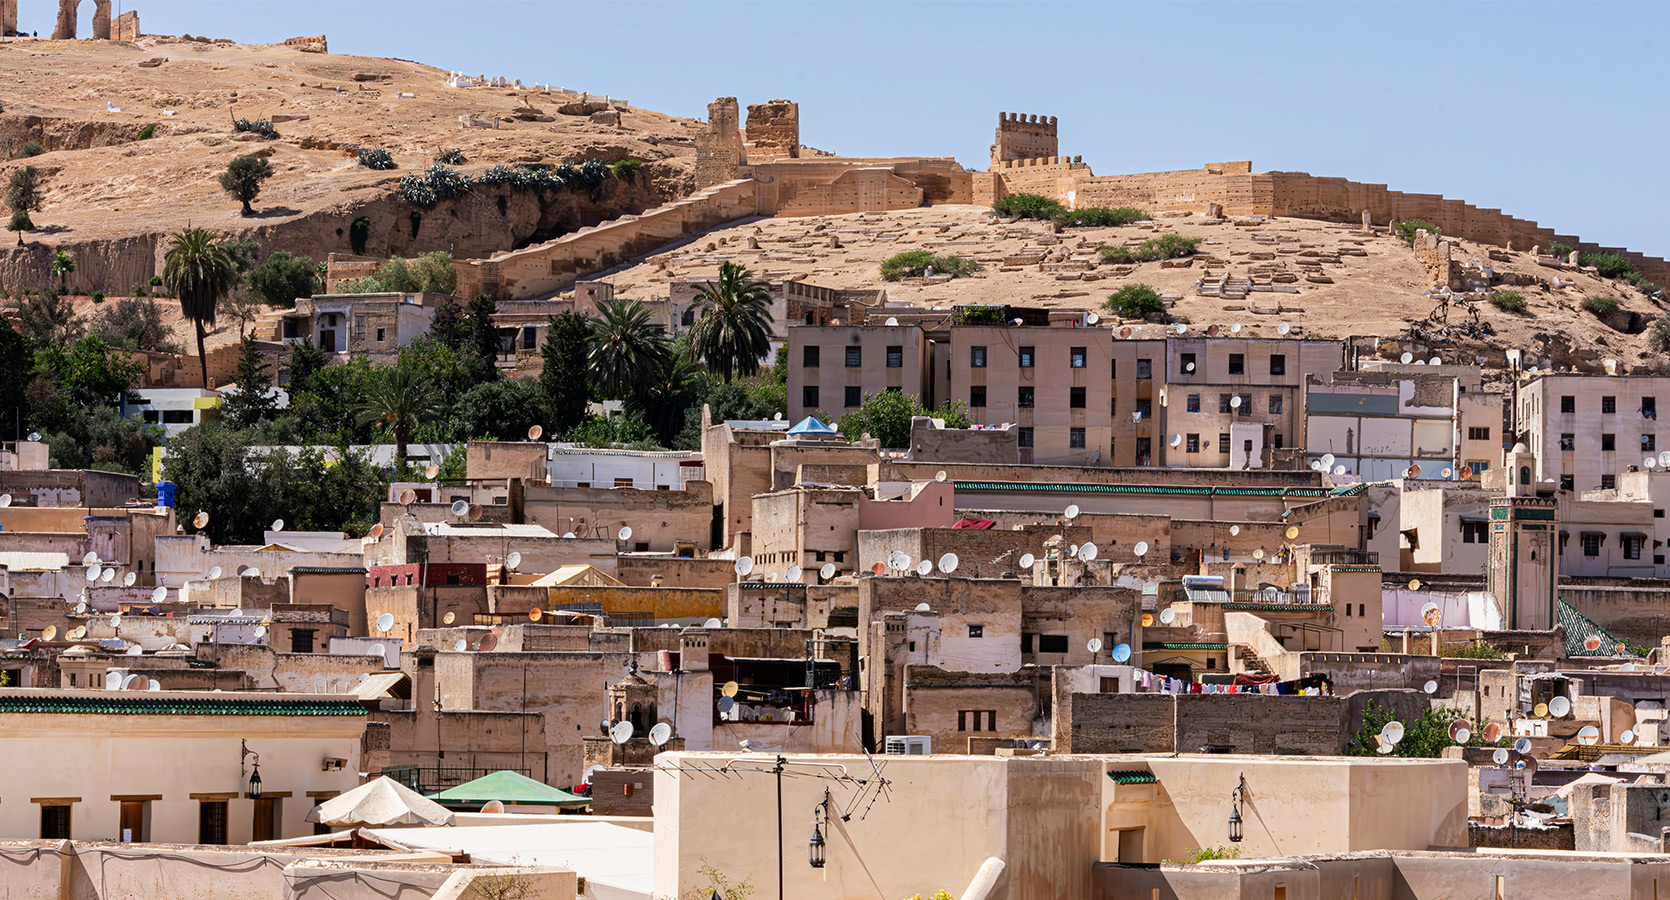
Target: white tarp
{"points": [[381, 802], [617, 862]]}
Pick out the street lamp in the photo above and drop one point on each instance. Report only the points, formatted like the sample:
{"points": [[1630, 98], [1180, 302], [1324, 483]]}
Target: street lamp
{"points": [[254, 772], [1236, 798], [815, 846]]}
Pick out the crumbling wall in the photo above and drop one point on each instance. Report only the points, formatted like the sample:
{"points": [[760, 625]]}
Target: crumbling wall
{"points": [[1433, 252], [1020, 136], [125, 27], [65, 31], [773, 130], [101, 20], [719, 151], [314, 44], [8, 17]]}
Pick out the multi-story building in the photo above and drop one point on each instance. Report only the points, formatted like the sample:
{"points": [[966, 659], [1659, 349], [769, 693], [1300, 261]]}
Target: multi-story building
{"points": [[1053, 383], [1380, 423], [1584, 431], [377, 325], [1229, 402], [834, 367]]}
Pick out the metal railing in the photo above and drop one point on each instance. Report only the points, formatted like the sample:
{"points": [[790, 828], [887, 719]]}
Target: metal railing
{"points": [[428, 779]]}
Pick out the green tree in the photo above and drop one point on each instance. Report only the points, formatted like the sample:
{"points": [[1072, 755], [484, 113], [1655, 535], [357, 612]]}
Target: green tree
{"points": [[399, 401], [210, 467], [62, 265], [48, 319], [16, 361], [283, 277], [200, 272], [427, 272], [1424, 738], [663, 398], [135, 323], [625, 430], [305, 360], [625, 347], [1135, 301], [242, 179], [482, 336], [565, 374], [256, 398], [733, 322], [72, 395], [448, 326], [23, 196], [502, 410], [886, 417]]}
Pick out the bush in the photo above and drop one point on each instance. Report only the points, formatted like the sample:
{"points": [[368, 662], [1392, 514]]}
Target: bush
{"points": [[983, 315], [1406, 230], [1602, 307], [1476, 650], [1135, 301], [1166, 246], [1658, 337], [1508, 301], [98, 296], [376, 158], [146, 132], [627, 169], [1119, 256], [1560, 250], [451, 157], [915, 264], [243, 178], [1028, 206], [1101, 217], [283, 277], [257, 126], [437, 183], [156, 281], [1611, 265], [30, 148]]}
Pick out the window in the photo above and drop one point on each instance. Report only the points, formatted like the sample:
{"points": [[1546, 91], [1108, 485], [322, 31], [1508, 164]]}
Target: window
{"points": [[1194, 403], [1187, 361], [1275, 404], [976, 720], [1591, 543], [1145, 369], [1145, 451], [1191, 444], [1278, 364], [977, 395], [976, 631], [1632, 545], [1568, 441], [855, 357], [1075, 358], [1024, 439], [1608, 405], [55, 821], [1145, 408], [1649, 442], [1237, 364], [1075, 438], [1026, 642], [1568, 404], [1649, 407], [1223, 403], [1276, 441], [526, 340], [1223, 443], [854, 397], [1475, 532], [176, 416], [1052, 643], [809, 356], [211, 822], [1478, 433], [1608, 482], [1608, 442], [1075, 398], [301, 640], [1023, 398], [895, 356], [1479, 465], [1026, 357], [809, 396], [1566, 483], [977, 357], [265, 826]]}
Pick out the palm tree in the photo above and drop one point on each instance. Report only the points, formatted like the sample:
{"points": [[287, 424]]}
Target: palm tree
{"points": [[199, 271], [626, 347], [662, 399], [62, 265], [399, 401], [733, 329]]}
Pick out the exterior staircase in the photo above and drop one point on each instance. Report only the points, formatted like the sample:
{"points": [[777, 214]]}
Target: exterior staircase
{"points": [[1250, 661]]}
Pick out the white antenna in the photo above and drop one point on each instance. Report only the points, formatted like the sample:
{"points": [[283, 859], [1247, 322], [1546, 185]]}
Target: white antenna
{"points": [[1180, 328], [892, 320], [1235, 402], [948, 563], [1235, 329], [385, 622], [923, 607], [1500, 757], [214, 573], [1284, 329], [108, 575], [714, 623], [1234, 530], [90, 559], [1176, 439], [1091, 318], [113, 680], [135, 650]]}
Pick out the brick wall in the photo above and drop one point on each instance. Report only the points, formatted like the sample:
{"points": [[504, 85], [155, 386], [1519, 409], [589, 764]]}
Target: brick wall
{"points": [[1116, 723]]}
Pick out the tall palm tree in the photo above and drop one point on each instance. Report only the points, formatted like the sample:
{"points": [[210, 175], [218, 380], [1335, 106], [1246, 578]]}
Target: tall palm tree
{"points": [[199, 271], [733, 329], [662, 399], [626, 347], [399, 401]]}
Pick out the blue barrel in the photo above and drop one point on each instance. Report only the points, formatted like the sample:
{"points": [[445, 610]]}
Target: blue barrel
{"points": [[165, 493]]}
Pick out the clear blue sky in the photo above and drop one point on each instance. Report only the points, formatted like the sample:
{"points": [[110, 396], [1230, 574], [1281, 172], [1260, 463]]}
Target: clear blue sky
{"points": [[1551, 112]]}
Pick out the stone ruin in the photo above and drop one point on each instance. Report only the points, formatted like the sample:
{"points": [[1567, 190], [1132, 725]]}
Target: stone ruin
{"points": [[124, 28], [719, 149], [773, 131], [8, 18], [1021, 136]]}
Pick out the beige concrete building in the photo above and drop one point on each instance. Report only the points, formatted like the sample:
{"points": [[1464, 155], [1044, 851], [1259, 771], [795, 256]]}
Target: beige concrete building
{"points": [[1229, 402], [833, 368], [1587, 430], [1379, 423], [376, 325], [1051, 382]]}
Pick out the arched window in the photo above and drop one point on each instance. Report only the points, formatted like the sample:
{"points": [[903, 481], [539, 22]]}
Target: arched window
{"points": [[1524, 474]]}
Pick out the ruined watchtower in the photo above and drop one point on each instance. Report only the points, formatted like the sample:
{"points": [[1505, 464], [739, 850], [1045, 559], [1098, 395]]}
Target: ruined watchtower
{"points": [[773, 131], [1024, 137], [719, 154]]}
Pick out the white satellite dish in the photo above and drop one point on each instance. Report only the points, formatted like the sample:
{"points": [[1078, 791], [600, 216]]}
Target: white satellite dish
{"points": [[1180, 328], [1435, 361], [1234, 530], [925, 567], [1073, 551], [1628, 737], [892, 321], [113, 680], [249, 572], [1284, 328], [713, 623], [460, 507], [1091, 318], [34, 436], [1500, 757], [90, 559], [377, 650], [940, 475], [827, 571], [1559, 706], [214, 573], [744, 565], [460, 645], [1094, 645], [1664, 458], [1588, 735], [1176, 439], [1258, 553], [108, 575], [81, 608], [513, 559], [1406, 358], [1392, 732], [1447, 472], [1328, 460], [159, 595], [236, 613], [1168, 616], [1522, 746], [155, 685], [620, 732], [129, 579], [1026, 560], [1431, 687], [1235, 402], [1235, 329], [135, 650], [93, 573], [794, 573], [1650, 462], [1316, 465], [260, 632], [1072, 511], [923, 607], [660, 733], [625, 533], [1339, 470], [948, 563], [1141, 548], [385, 622], [5, 500], [903, 562], [1088, 552], [278, 524]]}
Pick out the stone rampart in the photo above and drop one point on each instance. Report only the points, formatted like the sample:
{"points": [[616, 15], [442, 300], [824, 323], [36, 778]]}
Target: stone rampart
{"points": [[719, 154], [125, 27], [773, 130], [1021, 136]]}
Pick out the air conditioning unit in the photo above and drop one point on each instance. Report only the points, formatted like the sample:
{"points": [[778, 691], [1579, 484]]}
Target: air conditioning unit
{"points": [[909, 745]]}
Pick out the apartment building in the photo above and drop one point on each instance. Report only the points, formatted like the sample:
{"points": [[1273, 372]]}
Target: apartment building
{"points": [[1380, 423], [1584, 431], [834, 367], [374, 325], [1230, 402], [1052, 382]]}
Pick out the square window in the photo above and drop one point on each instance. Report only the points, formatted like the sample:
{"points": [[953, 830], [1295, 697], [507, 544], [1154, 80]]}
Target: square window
{"points": [[1608, 442], [1223, 443], [1187, 363], [1075, 438], [1632, 545], [1475, 532], [1608, 482], [895, 357], [1075, 398], [1649, 442], [809, 356], [855, 396], [977, 395], [975, 631], [1076, 358], [1608, 405], [855, 357], [1278, 364], [1024, 439], [1568, 404], [1052, 643], [1566, 483], [1194, 403], [1192, 444], [1658, 513], [1478, 433], [1237, 364], [977, 357], [1275, 404], [1591, 543], [1568, 441], [1027, 355], [809, 396], [1023, 398], [380, 335], [1145, 407], [1223, 403], [1145, 369]]}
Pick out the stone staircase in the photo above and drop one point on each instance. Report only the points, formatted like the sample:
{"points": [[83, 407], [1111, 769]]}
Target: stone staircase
{"points": [[1250, 661]]}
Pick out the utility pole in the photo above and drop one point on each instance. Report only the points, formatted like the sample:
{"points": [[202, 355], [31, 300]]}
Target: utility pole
{"points": [[778, 770]]}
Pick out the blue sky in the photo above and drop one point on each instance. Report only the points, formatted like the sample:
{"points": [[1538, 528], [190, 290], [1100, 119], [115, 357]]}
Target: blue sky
{"points": [[1552, 112]]}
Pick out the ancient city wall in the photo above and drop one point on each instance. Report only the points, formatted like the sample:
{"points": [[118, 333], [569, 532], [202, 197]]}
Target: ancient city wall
{"points": [[1023, 136], [773, 130], [719, 148], [125, 27], [834, 185]]}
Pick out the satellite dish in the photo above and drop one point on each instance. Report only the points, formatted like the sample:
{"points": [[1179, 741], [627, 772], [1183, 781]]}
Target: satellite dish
{"points": [[200, 520], [1235, 402], [1284, 329], [260, 632], [1459, 726], [923, 607], [449, 618], [377, 531], [744, 565], [660, 733], [135, 650], [93, 572], [1291, 532], [940, 475], [1091, 319], [1072, 511], [1094, 645], [620, 732], [1406, 358], [625, 533], [408, 497], [460, 508], [5, 500], [488, 641], [1176, 439], [1500, 757], [1339, 470], [1258, 553], [135, 682], [377, 650], [278, 524], [1328, 460], [1628, 737], [155, 685], [1447, 472], [1121, 652], [1168, 616], [794, 573], [1235, 329], [1588, 735], [91, 559], [1125, 332], [1467, 470], [34, 436], [1435, 361], [1180, 328], [1592, 644], [1188, 367], [878, 568], [108, 575], [925, 567], [1493, 732], [214, 572], [113, 681], [535, 432], [1234, 530], [1414, 471], [129, 579], [892, 321], [729, 688], [460, 645], [513, 559], [1026, 560], [1559, 706], [159, 595], [1088, 552], [1073, 551], [249, 572], [49, 632], [726, 704], [1522, 746], [1540, 710], [430, 471], [1431, 687], [827, 571], [948, 563], [1432, 614], [535, 614], [385, 622], [1393, 731], [76, 633], [1664, 457]]}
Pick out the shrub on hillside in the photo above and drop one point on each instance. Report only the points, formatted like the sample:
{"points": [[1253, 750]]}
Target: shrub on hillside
{"points": [[376, 158], [1166, 246], [451, 157], [1658, 337], [1508, 301], [1135, 301], [627, 169], [30, 148], [916, 263], [255, 126], [1028, 206], [1602, 307], [1560, 250], [146, 132], [1406, 230], [1610, 265], [1101, 217]]}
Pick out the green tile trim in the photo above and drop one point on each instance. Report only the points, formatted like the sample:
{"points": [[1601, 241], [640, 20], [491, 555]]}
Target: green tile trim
{"points": [[117, 704]]}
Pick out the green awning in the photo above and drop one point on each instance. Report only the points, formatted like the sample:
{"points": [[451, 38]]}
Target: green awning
{"points": [[509, 788]]}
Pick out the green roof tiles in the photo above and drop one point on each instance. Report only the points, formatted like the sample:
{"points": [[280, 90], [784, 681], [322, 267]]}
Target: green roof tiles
{"points": [[1132, 776], [120, 704], [1303, 493]]}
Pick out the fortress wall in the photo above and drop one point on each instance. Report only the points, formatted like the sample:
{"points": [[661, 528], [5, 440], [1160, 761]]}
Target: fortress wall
{"points": [[835, 185]]}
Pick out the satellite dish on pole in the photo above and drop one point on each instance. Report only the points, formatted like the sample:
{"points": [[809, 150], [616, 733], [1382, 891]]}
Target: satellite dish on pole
{"points": [[129, 579], [1588, 735], [93, 572], [513, 559], [460, 508], [1121, 652], [660, 733], [948, 563], [1431, 687], [1141, 548], [925, 567], [49, 632], [794, 574], [408, 497], [1559, 706], [385, 622], [743, 566], [535, 432], [625, 533], [827, 571], [214, 572], [1088, 552], [159, 595], [90, 559], [1094, 645], [1168, 616], [1072, 511], [1027, 560], [1522, 746], [940, 476]]}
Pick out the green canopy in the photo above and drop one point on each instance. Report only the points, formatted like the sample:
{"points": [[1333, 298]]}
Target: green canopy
{"points": [[509, 788]]}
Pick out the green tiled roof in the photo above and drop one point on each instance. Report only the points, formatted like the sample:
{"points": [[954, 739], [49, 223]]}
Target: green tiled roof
{"points": [[118, 704], [1280, 607], [1184, 490], [1578, 630], [1164, 645], [1131, 776]]}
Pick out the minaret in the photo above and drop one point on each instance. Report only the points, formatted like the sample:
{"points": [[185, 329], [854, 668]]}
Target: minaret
{"points": [[1524, 557]]}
